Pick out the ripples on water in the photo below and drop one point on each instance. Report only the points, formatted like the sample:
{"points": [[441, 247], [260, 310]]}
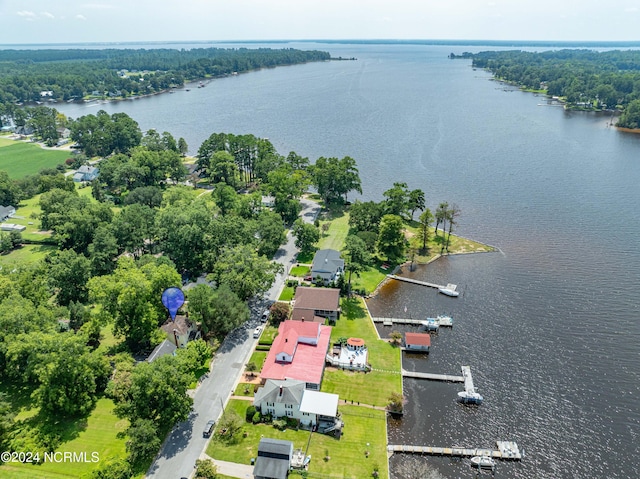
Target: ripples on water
{"points": [[536, 354], [550, 327]]}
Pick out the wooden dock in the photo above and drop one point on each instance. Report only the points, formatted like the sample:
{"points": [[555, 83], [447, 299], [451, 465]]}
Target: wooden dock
{"points": [[506, 450], [422, 283], [433, 376], [392, 321], [440, 320]]}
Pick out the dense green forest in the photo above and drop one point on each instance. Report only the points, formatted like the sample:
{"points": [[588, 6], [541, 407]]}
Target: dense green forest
{"points": [[74, 74], [74, 322], [586, 79]]}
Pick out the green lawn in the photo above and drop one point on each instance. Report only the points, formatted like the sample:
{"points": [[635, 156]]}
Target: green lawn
{"points": [[372, 388], [368, 279], [268, 335], [338, 221], [287, 294], [347, 457], [98, 433], [25, 255], [300, 271], [21, 159], [258, 358]]}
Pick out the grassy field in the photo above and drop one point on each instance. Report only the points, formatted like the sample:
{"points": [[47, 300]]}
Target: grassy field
{"points": [[364, 431], [98, 433], [21, 159]]}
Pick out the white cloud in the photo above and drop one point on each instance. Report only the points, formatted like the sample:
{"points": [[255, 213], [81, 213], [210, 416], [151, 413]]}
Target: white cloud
{"points": [[80, 17], [97, 6], [631, 9], [26, 14], [48, 15]]}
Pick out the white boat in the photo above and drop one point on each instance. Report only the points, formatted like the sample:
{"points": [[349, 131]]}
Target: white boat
{"points": [[470, 397], [443, 320], [483, 462], [449, 292], [431, 324]]}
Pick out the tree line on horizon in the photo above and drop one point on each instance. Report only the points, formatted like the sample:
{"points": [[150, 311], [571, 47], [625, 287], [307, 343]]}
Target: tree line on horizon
{"points": [[586, 79], [74, 74]]}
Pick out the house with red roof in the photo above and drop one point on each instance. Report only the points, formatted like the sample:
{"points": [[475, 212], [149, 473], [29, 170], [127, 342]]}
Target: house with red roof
{"points": [[298, 352], [419, 342]]}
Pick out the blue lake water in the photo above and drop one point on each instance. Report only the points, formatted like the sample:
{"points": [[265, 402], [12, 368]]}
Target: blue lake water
{"points": [[550, 323]]}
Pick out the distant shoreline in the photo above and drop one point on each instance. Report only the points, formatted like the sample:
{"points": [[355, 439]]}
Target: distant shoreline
{"points": [[380, 41]]}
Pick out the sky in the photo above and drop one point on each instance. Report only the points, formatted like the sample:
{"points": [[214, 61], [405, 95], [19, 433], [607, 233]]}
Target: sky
{"points": [[78, 21]]}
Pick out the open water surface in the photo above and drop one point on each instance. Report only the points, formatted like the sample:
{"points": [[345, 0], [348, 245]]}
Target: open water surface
{"points": [[550, 323]]}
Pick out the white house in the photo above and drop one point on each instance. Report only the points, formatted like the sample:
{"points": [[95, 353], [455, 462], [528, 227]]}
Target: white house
{"points": [[268, 201], [289, 398]]}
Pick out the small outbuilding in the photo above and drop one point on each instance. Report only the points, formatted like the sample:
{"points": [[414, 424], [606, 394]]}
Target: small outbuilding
{"points": [[418, 342], [274, 459]]}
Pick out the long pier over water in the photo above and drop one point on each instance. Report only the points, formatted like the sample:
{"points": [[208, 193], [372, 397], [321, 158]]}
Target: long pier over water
{"points": [[423, 283], [506, 450]]}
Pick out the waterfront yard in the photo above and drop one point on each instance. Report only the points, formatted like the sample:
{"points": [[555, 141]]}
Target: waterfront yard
{"points": [[361, 448], [375, 387]]}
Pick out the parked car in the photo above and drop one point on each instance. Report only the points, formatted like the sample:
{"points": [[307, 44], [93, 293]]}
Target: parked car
{"points": [[208, 429], [265, 315], [256, 332]]}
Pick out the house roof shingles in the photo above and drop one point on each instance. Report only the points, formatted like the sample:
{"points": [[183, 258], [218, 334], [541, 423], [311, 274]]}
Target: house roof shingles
{"points": [[308, 361], [418, 339], [327, 299], [292, 391], [327, 260], [274, 457], [181, 325]]}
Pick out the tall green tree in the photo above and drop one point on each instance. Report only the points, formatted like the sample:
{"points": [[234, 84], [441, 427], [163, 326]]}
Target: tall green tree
{"points": [[9, 191], [245, 271], [397, 200], [426, 218], [391, 241], [365, 216], [452, 214], [270, 233], [334, 178], [218, 310], [156, 392], [69, 273], [441, 216], [416, 201], [126, 296], [357, 257], [307, 235], [103, 250]]}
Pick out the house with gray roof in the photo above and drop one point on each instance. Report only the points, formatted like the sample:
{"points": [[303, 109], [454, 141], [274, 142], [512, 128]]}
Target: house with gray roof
{"points": [[6, 212], [165, 348], [85, 173], [327, 266], [289, 398], [274, 459]]}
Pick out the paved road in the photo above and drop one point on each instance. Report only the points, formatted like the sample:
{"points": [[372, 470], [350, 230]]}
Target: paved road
{"points": [[185, 443]]}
